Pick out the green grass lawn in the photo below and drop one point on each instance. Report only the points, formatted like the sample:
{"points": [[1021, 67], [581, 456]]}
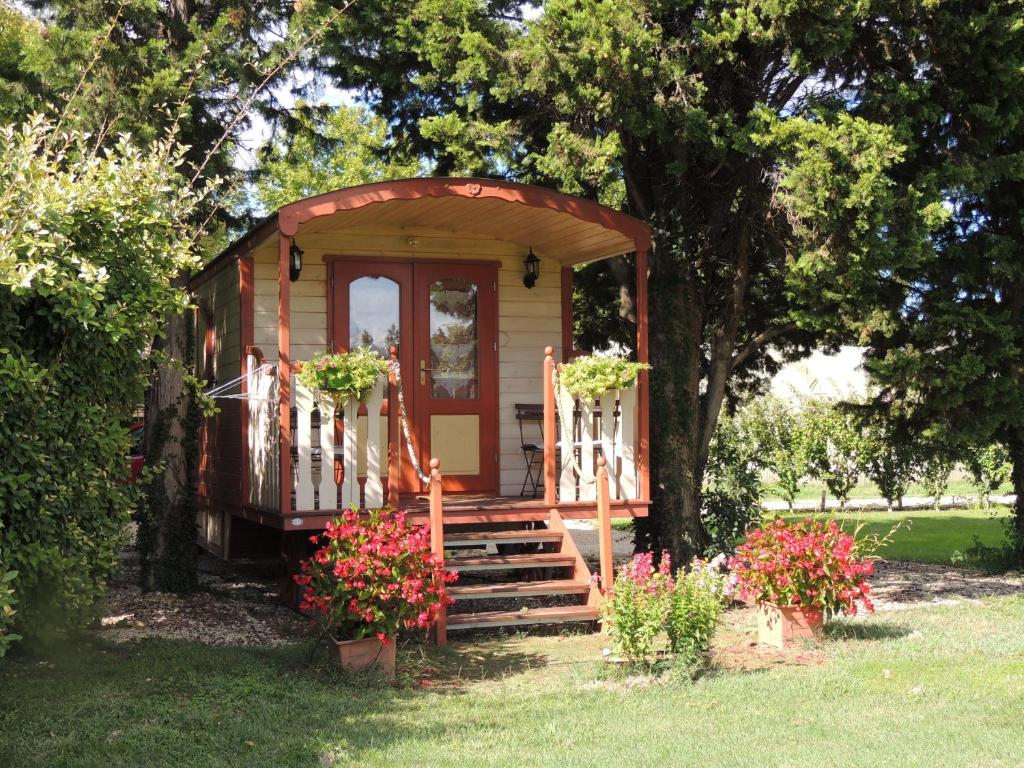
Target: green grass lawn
{"points": [[930, 536], [934, 686], [867, 490]]}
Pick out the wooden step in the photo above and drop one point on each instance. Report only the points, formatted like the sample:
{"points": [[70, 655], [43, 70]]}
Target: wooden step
{"points": [[514, 618], [518, 589], [483, 538], [505, 562]]}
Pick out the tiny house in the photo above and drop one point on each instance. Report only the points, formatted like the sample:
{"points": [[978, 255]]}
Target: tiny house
{"points": [[466, 286]]}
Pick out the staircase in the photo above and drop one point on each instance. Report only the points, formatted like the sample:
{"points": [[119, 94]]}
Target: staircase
{"points": [[546, 564]]}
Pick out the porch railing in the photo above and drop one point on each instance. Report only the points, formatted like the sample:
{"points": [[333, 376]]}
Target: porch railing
{"points": [[587, 430], [326, 474], [264, 435]]}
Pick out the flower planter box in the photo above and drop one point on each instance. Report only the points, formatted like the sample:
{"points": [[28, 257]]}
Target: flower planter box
{"points": [[368, 653], [780, 627]]}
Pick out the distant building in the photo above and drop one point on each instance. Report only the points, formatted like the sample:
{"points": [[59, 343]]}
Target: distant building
{"points": [[839, 375]]}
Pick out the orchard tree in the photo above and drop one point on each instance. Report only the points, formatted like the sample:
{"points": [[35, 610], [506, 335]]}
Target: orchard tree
{"points": [[891, 455], [839, 448], [734, 129], [990, 465], [782, 435]]}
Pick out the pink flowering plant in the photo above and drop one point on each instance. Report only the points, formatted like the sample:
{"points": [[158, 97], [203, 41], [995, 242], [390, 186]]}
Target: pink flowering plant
{"points": [[810, 564], [636, 607], [373, 575], [648, 607]]}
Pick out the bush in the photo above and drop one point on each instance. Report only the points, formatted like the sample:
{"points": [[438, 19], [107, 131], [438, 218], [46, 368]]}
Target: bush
{"points": [[636, 608], [89, 244], [373, 575], [646, 602], [6, 607], [696, 604], [730, 501]]}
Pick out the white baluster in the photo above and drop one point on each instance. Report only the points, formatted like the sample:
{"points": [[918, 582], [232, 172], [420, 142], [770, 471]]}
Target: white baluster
{"points": [[350, 485], [303, 440], [608, 446], [328, 488], [588, 484], [566, 418], [374, 488], [627, 440]]}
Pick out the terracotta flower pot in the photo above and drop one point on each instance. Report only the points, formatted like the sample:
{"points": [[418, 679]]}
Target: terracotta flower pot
{"points": [[779, 627], [368, 653]]}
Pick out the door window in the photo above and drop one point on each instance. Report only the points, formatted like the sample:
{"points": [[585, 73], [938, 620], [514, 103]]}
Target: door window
{"points": [[454, 340], [373, 314]]}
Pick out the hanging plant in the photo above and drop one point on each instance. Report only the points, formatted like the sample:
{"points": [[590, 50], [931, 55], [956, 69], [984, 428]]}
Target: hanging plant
{"points": [[341, 375], [590, 376]]}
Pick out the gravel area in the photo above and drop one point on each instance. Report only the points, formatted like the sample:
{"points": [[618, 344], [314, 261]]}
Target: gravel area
{"points": [[237, 604]]}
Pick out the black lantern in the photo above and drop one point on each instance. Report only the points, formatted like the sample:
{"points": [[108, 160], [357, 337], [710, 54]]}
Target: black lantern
{"points": [[295, 261], [532, 264]]}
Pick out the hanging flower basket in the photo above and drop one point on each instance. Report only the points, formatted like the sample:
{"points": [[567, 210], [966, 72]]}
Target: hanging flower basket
{"points": [[590, 376], [341, 375]]}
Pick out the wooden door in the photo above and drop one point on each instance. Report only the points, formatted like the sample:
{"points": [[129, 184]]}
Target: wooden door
{"points": [[372, 307], [456, 371]]}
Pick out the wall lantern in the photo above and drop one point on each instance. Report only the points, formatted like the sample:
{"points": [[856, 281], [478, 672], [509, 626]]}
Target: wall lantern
{"points": [[294, 261], [532, 264]]}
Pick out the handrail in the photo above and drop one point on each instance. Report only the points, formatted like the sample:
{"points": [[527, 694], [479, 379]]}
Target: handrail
{"points": [[437, 545], [550, 427], [394, 436], [604, 525]]}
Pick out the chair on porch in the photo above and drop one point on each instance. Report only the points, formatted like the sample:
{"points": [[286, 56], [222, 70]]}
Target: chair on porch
{"points": [[528, 416]]}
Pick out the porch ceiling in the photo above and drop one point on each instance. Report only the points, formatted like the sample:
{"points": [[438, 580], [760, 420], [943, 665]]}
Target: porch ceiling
{"points": [[568, 229]]}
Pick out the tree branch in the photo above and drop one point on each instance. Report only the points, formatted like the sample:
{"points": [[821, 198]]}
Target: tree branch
{"points": [[760, 340]]}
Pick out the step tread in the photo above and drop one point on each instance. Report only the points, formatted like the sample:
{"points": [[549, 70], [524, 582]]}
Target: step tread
{"points": [[549, 586], [529, 616], [538, 559], [501, 537]]}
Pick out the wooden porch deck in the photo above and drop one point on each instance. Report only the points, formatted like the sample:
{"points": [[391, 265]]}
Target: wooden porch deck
{"points": [[459, 509]]}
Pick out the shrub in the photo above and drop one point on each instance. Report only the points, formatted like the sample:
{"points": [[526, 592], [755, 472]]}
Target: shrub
{"points": [[636, 608], [695, 607], [991, 467], [374, 575], [808, 564], [730, 501], [6, 607], [89, 245], [344, 374], [590, 376]]}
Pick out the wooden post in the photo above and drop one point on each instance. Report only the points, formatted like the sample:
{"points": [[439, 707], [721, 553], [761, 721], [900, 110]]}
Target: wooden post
{"points": [[643, 380], [604, 525], [394, 437], [437, 543], [550, 428], [284, 370]]}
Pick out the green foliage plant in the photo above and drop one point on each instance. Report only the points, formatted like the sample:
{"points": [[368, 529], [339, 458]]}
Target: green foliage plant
{"points": [[732, 491], [341, 375], [934, 476], [838, 448], [695, 607], [89, 244], [779, 432], [7, 601], [990, 465], [590, 376], [891, 456], [636, 608]]}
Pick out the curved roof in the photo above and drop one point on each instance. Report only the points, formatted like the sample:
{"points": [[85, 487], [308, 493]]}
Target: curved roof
{"points": [[569, 229]]}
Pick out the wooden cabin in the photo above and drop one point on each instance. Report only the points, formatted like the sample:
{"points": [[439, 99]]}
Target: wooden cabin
{"points": [[467, 284]]}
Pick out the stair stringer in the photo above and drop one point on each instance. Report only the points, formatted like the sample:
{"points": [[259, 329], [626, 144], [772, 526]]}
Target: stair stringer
{"points": [[581, 573]]}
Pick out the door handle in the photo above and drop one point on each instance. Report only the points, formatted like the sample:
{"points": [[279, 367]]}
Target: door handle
{"points": [[423, 372]]}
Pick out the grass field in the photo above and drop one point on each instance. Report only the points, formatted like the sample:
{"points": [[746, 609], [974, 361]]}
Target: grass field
{"points": [[935, 686], [958, 486], [929, 536]]}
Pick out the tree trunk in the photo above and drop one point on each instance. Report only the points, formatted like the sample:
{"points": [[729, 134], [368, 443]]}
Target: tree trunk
{"points": [[167, 524], [1015, 444], [676, 472]]}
